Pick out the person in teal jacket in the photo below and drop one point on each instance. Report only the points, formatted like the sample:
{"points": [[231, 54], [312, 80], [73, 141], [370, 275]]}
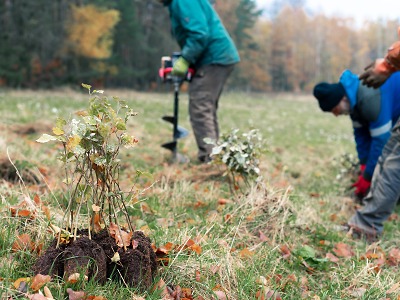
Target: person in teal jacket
{"points": [[205, 45], [373, 113]]}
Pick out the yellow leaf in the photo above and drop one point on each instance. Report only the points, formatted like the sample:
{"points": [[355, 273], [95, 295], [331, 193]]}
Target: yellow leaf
{"points": [[73, 142], [18, 282], [58, 131], [246, 253]]}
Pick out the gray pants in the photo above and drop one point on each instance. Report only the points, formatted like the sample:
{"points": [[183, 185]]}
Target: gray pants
{"points": [[204, 92], [385, 188]]}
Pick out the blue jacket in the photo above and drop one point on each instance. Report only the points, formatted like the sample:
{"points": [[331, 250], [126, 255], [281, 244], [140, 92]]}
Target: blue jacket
{"points": [[374, 112], [200, 33]]}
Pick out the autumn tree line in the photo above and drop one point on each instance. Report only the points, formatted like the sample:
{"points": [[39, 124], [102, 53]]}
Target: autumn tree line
{"points": [[48, 43]]}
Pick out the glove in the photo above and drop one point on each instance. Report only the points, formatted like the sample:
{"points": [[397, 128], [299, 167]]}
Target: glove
{"points": [[376, 73], [180, 67], [362, 186]]}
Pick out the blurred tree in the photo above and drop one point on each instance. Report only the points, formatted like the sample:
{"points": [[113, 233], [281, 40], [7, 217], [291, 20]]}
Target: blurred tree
{"points": [[30, 35], [89, 31]]}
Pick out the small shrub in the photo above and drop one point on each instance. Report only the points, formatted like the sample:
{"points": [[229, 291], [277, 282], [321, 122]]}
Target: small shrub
{"points": [[240, 153]]}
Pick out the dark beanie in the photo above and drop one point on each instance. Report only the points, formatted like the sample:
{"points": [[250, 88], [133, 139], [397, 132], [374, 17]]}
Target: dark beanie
{"points": [[328, 94]]}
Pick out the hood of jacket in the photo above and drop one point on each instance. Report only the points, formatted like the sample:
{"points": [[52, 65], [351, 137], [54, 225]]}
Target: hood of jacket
{"points": [[350, 83]]}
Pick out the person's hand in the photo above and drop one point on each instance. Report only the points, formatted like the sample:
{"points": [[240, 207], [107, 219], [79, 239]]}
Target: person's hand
{"points": [[376, 73], [362, 187], [180, 67]]}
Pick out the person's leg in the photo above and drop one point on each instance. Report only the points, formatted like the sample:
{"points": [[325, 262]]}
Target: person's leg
{"points": [[385, 189], [204, 92]]}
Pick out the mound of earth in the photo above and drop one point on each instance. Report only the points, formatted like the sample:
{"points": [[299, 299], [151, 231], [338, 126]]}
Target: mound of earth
{"points": [[9, 172], [137, 266]]}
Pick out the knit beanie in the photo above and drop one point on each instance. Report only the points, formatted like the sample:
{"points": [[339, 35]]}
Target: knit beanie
{"points": [[328, 94]]}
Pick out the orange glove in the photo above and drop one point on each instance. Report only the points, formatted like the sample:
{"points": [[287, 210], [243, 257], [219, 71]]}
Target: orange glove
{"points": [[376, 73], [393, 55], [362, 186]]}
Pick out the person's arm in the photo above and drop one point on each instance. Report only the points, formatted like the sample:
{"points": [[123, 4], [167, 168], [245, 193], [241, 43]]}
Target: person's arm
{"points": [[363, 143], [377, 72], [194, 22]]}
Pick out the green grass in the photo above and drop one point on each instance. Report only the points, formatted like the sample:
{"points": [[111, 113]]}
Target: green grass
{"points": [[299, 202]]}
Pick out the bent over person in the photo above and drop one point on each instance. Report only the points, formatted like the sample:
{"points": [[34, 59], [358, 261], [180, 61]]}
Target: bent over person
{"points": [[205, 45], [372, 112], [385, 188]]}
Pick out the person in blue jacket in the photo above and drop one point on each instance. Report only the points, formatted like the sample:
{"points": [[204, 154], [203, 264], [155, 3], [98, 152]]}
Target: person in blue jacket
{"points": [[205, 45], [373, 113]]}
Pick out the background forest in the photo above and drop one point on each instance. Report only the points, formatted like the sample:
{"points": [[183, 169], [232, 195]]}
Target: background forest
{"points": [[48, 43]]}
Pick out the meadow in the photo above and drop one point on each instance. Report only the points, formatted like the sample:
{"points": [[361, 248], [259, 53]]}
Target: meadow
{"points": [[280, 238]]}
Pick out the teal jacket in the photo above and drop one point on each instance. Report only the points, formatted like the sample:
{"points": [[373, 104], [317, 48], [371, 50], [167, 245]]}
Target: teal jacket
{"points": [[200, 33]]}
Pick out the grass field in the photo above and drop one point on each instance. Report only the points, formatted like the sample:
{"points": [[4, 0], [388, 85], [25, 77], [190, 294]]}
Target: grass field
{"points": [[276, 239]]}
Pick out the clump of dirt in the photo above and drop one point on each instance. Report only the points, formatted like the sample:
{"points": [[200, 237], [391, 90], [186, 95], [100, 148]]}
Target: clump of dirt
{"points": [[137, 264], [8, 172]]}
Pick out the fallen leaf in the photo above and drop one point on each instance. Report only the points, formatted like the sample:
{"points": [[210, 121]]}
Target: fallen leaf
{"points": [[166, 249], [196, 248], [246, 253], [22, 242], [263, 237], [39, 280], [214, 269], [18, 282], [37, 297], [197, 276], [47, 293], [222, 201], [332, 257], [116, 258], [393, 258], [285, 251], [74, 278], [96, 208], [358, 292], [161, 286], [72, 295], [121, 237], [343, 250], [220, 295], [394, 288]]}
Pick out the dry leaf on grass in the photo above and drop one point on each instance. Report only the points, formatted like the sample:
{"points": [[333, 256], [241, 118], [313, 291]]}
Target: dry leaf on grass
{"points": [[72, 295], [332, 257], [37, 297], [393, 258], [343, 250], [39, 280]]}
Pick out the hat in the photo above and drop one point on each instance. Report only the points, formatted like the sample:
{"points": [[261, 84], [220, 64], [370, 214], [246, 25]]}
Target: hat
{"points": [[328, 94]]}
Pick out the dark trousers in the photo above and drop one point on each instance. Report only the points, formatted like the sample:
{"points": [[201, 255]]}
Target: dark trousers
{"points": [[204, 92]]}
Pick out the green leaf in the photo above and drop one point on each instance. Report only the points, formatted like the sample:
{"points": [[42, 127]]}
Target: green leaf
{"points": [[46, 138], [306, 252], [86, 86]]}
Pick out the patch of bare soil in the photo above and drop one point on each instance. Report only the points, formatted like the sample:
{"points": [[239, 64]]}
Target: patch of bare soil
{"points": [[32, 128], [9, 172], [137, 265]]}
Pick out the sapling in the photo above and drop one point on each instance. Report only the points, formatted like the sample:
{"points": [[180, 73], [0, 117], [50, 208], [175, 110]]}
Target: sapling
{"points": [[91, 142], [240, 153]]}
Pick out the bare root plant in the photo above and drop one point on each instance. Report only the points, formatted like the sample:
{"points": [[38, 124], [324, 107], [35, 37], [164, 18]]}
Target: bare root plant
{"points": [[91, 143]]}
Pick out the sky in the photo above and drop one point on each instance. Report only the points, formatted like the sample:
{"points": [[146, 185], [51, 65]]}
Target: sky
{"points": [[360, 10]]}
